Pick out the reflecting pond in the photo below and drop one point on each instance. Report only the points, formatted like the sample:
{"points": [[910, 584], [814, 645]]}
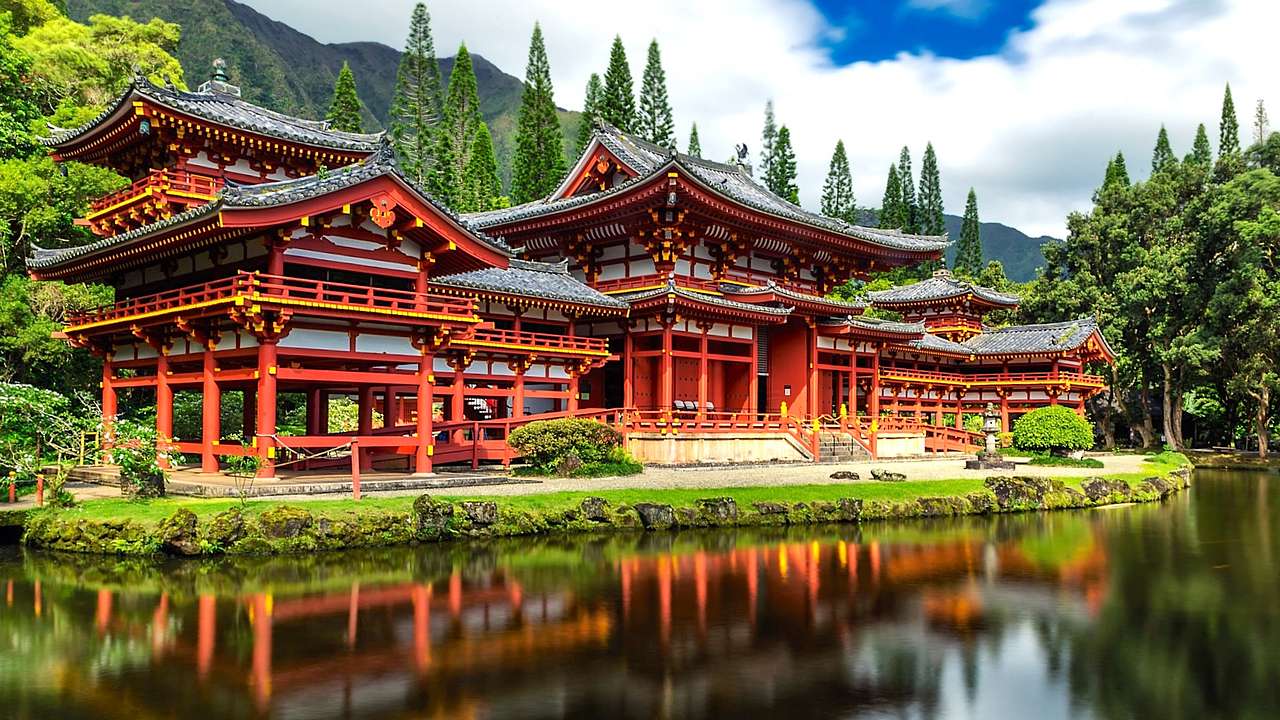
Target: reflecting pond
{"points": [[1161, 611]]}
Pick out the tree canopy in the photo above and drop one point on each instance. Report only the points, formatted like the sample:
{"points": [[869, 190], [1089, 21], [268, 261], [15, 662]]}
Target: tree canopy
{"points": [[837, 192], [539, 163], [417, 105], [618, 105], [655, 123], [344, 109]]}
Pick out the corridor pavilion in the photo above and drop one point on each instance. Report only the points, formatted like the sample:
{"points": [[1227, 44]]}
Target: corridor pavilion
{"points": [[672, 297]]}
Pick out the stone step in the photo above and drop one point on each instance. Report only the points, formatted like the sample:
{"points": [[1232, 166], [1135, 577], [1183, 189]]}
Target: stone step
{"points": [[96, 474]]}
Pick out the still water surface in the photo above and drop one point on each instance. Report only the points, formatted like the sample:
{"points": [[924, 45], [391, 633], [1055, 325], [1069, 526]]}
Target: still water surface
{"points": [[1160, 611]]}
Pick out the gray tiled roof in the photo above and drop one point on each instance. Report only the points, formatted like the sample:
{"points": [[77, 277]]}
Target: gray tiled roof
{"points": [[934, 343], [878, 325], [284, 192], [941, 286], [729, 181], [1050, 337], [785, 292], [686, 293], [531, 279], [229, 110]]}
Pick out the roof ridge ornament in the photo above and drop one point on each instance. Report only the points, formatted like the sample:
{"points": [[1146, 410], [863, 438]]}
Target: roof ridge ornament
{"points": [[219, 82]]}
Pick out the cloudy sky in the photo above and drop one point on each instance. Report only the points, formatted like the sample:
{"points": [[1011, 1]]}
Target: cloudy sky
{"points": [[1023, 100]]}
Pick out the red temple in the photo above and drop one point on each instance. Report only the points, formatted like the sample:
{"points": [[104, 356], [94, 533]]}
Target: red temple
{"points": [[673, 297]]}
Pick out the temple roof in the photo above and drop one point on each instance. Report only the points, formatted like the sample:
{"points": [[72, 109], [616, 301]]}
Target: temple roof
{"points": [[671, 288], [771, 291], [728, 181], [942, 286], [876, 325], [224, 109], [531, 279], [934, 343], [285, 192], [1050, 337]]}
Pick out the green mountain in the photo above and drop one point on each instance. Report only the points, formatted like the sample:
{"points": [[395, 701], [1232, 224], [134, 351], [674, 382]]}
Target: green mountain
{"points": [[286, 70], [1018, 252]]}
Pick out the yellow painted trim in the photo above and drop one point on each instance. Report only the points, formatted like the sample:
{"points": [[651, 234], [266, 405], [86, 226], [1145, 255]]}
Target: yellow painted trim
{"points": [[153, 313], [258, 297], [529, 348], [112, 208]]}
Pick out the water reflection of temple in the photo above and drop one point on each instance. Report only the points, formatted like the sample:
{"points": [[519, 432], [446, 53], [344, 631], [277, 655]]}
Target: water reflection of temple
{"points": [[677, 631]]}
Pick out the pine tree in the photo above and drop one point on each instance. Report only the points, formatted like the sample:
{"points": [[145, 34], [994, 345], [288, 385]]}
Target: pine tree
{"points": [[1201, 152], [891, 210], [1117, 173], [483, 186], [1228, 128], [837, 191], [539, 164], [457, 134], [1261, 123], [929, 218], [655, 123], [416, 105], [695, 147], [768, 138], [344, 109], [590, 112], [969, 260], [618, 107], [782, 176], [910, 208], [1163, 156]]}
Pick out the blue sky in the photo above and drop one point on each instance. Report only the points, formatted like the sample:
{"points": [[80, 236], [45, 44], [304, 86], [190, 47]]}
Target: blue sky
{"points": [[961, 29]]}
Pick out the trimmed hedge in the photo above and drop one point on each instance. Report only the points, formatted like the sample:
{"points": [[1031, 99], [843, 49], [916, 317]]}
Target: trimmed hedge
{"points": [[1052, 429], [552, 445]]}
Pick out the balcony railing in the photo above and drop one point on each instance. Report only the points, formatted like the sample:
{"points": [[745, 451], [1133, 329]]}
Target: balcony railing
{"points": [[655, 281], [283, 290], [941, 378], [549, 342], [200, 188]]}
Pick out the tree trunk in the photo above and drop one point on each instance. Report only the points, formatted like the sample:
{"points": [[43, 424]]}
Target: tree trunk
{"points": [[1166, 407], [1177, 420], [1146, 428], [1260, 419]]}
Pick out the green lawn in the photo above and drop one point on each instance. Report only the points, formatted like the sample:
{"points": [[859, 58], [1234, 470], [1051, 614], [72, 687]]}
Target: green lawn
{"points": [[154, 511]]}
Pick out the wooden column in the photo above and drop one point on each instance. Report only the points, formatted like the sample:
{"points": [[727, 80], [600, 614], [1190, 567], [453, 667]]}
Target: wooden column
{"points": [[811, 396], [275, 256], [873, 402], [628, 369], [313, 412], [110, 405], [267, 407], [389, 410], [1004, 411], [702, 369], [365, 424], [457, 396], [575, 386], [666, 397], [164, 406], [422, 456], [517, 400], [210, 413], [753, 378]]}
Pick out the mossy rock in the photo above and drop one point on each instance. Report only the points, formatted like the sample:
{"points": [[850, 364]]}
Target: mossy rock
{"points": [[718, 511], [981, 502], [1102, 491], [943, 506], [1021, 493], [224, 529], [655, 516], [850, 509], [689, 517], [434, 519], [481, 513], [595, 509], [284, 522], [178, 533]]}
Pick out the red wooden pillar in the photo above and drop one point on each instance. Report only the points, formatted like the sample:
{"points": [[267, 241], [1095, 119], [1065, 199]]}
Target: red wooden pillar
{"points": [[457, 404], [266, 431], [959, 409], [275, 257], [702, 370], [110, 405], [517, 399], [313, 411], [811, 395], [873, 402], [575, 376], [1004, 411], [753, 378], [164, 407], [249, 414], [628, 369], [210, 413], [666, 398], [389, 417], [422, 456], [365, 423]]}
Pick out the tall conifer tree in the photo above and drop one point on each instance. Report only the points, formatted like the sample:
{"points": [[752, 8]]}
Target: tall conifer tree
{"points": [[782, 173], [1162, 157], [457, 134], [837, 191], [930, 218], [482, 183], [1117, 172], [416, 104], [590, 111], [1201, 151], [619, 105], [969, 256], [906, 178], [768, 138], [655, 121], [344, 109], [695, 147], [891, 211], [1228, 127], [539, 163], [1261, 123]]}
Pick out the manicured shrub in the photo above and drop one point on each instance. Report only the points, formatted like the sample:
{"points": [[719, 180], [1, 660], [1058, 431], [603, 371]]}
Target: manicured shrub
{"points": [[136, 450], [550, 444], [1053, 429]]}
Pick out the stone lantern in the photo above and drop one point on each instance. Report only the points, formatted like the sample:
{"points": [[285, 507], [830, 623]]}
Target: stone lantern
{"points": [[990, 457]]}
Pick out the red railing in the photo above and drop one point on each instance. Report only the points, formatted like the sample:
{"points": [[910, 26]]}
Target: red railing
{"points": [[201, 186], [523, 339], [677, 421], [649, 281], [937, 438], [274, 287], [891, 373]]}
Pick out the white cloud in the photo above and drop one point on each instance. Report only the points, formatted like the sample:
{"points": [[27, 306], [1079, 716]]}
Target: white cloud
{"points": [[1030, 128], [963, 9]]}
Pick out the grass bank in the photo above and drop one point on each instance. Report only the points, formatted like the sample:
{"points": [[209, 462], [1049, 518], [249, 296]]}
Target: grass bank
{"points": [[193, 526]]}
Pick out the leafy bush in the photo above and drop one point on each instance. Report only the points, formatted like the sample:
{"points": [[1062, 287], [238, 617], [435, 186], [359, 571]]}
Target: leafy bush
{"points": [[973, 422], [547, 444], [1053, 429], [135, 450], [1055, 461], [1169, 457]]}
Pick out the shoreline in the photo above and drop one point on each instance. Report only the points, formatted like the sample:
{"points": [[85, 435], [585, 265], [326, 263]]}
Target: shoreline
{"points": [[213, 528]]}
